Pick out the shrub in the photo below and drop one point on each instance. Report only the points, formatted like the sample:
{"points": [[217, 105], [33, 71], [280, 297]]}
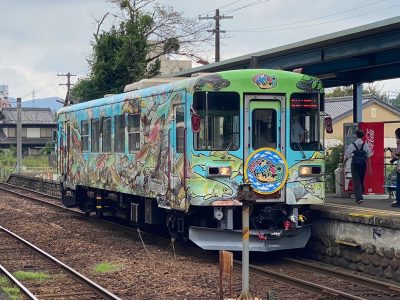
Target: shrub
{"points": [[334, 156]]}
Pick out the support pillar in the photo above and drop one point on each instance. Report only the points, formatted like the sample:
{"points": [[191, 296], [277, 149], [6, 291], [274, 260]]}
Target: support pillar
{"points": [[357, 102], [19, 137]]}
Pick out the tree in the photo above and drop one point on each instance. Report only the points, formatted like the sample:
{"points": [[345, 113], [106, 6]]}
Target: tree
{"points": [[396, 101], [375, 89], [131, 50]]}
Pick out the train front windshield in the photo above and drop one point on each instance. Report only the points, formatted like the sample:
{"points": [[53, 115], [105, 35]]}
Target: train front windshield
{"points": [[304, 122], [219, 120]]}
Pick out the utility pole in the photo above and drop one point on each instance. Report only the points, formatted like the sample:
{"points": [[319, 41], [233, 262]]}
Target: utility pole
{"points": [[68, 84], [19, 137], [217, 30]]}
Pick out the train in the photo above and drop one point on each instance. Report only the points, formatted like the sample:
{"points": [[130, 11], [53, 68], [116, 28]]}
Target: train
{"points": [[186, 154]]}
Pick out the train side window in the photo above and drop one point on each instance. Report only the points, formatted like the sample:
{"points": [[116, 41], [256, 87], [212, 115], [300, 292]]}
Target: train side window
{"points": [[180, 130], [119, 136], [106, 135], [84, 136], [134, 132], [95, 135]]}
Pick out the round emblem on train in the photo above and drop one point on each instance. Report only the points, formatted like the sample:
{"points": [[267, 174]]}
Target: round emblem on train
{"points": [[266, 170]]}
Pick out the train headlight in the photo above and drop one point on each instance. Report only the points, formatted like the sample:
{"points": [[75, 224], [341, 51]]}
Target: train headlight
{"points": [[219, 172], [305, 171], [225, 171]]}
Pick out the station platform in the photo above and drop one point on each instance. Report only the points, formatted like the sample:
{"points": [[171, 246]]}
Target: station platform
{"points": [[371, 211], [369, 202]]}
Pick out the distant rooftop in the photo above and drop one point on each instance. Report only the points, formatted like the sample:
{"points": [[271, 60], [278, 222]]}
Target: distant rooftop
{"points": [[41, 116], [339, 107]]}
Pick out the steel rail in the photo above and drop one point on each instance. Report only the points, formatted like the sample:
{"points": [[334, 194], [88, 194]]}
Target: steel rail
{"points": [[94, 286], [376, 284], [302, 284], [18, 283], [33, 198], [30, 190]]}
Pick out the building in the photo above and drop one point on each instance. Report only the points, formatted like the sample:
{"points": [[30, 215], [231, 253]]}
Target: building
{"points": [[169, 66], [374, 110], [38, 125]]}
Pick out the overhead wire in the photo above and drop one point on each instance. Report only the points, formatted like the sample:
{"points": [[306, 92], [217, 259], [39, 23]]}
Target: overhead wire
{"points": [[312, 25], [221, 7], [317, 18], [246, 6]]}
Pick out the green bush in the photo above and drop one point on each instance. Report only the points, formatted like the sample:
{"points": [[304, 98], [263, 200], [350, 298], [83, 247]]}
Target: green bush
{"points": [[334, 156]]}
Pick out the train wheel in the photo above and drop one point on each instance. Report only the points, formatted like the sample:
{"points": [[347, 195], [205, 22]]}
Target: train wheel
{"points": [[176, 226], [172, 224], [99, 212]]}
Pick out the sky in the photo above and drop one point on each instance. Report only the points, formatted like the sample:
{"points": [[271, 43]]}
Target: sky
{"points": [[44, 38]]}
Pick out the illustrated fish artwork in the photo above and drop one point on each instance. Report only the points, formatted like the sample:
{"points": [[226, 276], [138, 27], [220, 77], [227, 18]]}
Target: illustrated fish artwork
{"points": [[199, 186], [234, 162]]}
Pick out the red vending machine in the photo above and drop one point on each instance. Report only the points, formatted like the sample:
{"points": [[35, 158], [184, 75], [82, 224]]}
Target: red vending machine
{"points": [[374, 137]]}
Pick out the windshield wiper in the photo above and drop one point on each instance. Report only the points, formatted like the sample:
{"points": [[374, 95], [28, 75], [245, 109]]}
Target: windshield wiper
{"points": [[229, 146], [301, 149]]}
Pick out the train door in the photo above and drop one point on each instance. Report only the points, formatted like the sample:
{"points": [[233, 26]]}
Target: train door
{"points": [[265, 123], [65, 149], [178, 158]]}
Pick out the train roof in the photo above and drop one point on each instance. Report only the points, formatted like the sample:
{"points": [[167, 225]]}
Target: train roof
{"points": [[176, 85]]}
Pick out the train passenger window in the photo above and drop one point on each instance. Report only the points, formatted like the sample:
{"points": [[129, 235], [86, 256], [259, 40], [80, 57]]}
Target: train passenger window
{"points": [[264, 128], [180, 130], [119, 136], [85, 136], [95, 135], [134, 132], [304, 121], [219, 120], [106, 135]]}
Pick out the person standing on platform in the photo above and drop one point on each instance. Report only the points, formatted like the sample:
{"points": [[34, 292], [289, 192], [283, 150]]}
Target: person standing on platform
{"points": [[360, 154], [396, 156]]}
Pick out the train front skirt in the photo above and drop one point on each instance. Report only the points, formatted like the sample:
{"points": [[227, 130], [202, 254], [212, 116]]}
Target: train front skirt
{"points": [[260, 240]]}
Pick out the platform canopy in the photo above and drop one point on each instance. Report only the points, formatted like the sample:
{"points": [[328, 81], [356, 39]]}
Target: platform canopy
{"points": [[362, 54]]}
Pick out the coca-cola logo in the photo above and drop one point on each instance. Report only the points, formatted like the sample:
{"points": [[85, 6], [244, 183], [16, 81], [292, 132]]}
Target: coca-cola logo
{"points": [[370, 139]]}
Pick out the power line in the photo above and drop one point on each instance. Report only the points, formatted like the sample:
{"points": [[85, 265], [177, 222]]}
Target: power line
{"points": [[221, 7], [312, 25], [217, 30], [313, 19], [246, 6]]}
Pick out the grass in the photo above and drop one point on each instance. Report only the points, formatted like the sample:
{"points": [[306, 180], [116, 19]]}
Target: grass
{"points": [[106, 267], [13, 292], [22, 275]]}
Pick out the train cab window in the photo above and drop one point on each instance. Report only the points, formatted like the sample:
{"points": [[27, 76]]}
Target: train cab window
{"points": [[304, 122], [219, 120], [106, 135], [95, 136], [84, 136], [264, 128], [134, 132], [119, 136]]}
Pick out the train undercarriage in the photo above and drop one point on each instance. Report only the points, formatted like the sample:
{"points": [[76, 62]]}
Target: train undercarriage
{"points": [[272, 227]]}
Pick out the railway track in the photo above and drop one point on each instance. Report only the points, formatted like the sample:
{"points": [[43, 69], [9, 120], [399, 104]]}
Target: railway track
{"points": [[31, 194], [302, 275], [52, 278], [326, 281]]}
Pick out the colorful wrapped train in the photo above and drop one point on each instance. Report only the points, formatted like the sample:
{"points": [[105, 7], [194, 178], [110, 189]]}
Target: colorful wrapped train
{"points": [[187, 153]]}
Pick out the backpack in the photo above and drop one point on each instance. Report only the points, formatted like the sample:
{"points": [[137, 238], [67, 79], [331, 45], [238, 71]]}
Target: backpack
{"points": [[359, 156]]}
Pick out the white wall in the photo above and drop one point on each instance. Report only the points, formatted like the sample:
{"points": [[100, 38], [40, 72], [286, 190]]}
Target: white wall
{"points": [[33, 132]]}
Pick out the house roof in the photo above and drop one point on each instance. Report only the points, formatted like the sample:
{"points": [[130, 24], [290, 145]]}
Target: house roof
{"points": [[340, 107], [26, 141], [43, 116]]}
